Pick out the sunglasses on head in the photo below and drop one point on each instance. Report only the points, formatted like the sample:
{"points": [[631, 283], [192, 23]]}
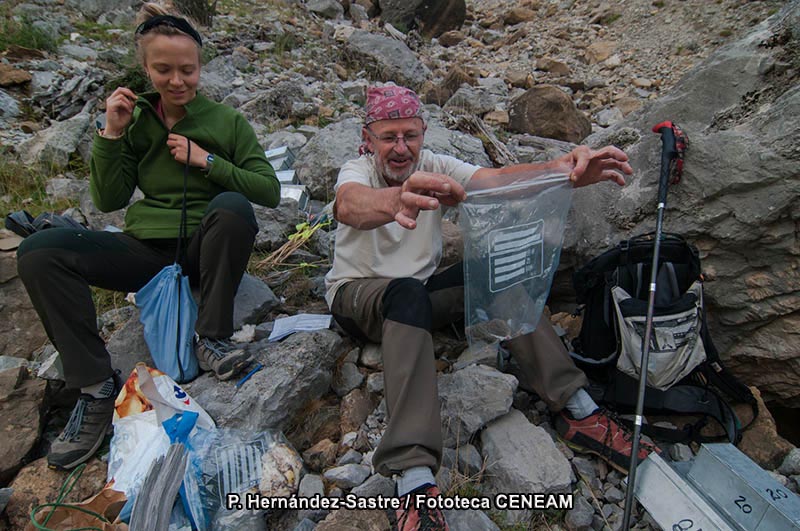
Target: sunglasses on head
{"points": [[173, 22]]}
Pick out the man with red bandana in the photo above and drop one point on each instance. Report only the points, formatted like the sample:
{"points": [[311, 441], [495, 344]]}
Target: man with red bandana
{"points": [[384, 287]]}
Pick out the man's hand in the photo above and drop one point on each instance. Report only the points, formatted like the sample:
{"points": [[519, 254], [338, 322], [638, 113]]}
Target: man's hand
{"points": [[589, 166], [426, 191], [178, 148]]}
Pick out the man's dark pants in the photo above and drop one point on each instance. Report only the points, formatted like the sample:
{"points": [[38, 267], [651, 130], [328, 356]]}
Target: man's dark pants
{"points": [[400, 314], [57, 267]]}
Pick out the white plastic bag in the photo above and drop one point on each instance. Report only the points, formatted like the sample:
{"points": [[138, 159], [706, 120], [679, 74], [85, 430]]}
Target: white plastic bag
{"points": [[513, 227], [147, 399]]}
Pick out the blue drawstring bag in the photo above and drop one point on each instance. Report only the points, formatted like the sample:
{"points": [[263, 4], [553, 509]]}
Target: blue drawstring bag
{"points": [[168, 311]]}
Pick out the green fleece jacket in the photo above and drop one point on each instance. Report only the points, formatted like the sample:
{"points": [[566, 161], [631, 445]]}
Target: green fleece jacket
{"points": [[142, 158]]}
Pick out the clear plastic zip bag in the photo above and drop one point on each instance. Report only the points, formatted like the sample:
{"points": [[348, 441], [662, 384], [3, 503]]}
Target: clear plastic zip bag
{"points": [[513, 228]]}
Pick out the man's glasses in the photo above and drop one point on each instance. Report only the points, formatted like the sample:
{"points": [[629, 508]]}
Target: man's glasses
{"points": [[411, 138]]}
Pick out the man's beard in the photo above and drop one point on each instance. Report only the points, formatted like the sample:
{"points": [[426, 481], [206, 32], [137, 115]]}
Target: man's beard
{"points": [[385, 170]]}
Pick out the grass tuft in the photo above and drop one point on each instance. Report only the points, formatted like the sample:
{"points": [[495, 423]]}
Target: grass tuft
{"points": [[22, 33]]}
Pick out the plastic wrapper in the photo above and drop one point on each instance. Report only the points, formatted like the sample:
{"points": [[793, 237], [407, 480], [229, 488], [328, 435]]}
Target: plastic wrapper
{"points": [[513, 228], [228, 461]]}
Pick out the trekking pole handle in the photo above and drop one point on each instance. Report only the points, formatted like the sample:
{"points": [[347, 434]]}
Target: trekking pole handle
{"points": [[669, 151]]}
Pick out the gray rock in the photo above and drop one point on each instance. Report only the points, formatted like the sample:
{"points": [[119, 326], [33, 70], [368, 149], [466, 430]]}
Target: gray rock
{"points": [[737, 199], [474, 100], [350, 457], [291, 139], [371, 356], [346, 379], [375, 382], [53, 146], [253, 301], [466, 460], [275, 225], [608, 117], [469, 519], [296, 370], [9, 108], [274, 103], [471, 398], [21, 416], [21, 332], [580, 517], [318, 162], [376, 485], [456, 144], [326, 8], [5, 495], [614, 495], [585, 468], [521, 457], [680, 452], [791, 463], [399, 12], [392, 58], [347, 476], [305, 525], [81, 53], [60, 188], [94, 8], [127, 347], [310, 485], [217, 77], [358, 14]]}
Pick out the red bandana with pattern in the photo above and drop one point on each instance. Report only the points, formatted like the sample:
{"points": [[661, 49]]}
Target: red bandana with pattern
{"points": [[390, 102]]}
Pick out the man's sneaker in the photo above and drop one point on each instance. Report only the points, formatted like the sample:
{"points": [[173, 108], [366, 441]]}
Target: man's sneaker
{"points": [[85, 431], [221, 357], [414, 516], [601, 434]]}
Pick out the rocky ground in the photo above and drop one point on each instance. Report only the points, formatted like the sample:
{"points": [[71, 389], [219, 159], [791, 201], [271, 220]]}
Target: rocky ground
{"points": [[297, 71]]}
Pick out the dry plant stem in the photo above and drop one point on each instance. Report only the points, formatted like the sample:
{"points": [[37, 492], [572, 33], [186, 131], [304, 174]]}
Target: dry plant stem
{"points": [[591, 491]]}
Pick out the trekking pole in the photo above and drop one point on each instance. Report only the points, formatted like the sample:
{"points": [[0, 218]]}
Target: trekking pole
{"points": [[673, 143]]}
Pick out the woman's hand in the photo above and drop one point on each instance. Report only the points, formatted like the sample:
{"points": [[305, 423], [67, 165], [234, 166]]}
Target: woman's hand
{"points": [[178, 148], [589, 166], [119, 110]]}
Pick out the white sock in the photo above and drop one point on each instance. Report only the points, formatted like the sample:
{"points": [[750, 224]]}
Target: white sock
{"points": [[580, 404], [413, 478], [104, 389]]}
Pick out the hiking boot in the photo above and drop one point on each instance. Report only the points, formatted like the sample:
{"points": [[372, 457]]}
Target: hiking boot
{"points": [[418, 517], [603, 435], [85, 431], [221, 357]]}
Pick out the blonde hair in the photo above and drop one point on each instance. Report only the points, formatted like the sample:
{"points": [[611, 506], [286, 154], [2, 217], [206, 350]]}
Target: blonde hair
{"points": [[154, 9]]}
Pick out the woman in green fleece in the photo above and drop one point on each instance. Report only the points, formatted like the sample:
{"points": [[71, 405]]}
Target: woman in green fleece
{"points": [[145, 144]]}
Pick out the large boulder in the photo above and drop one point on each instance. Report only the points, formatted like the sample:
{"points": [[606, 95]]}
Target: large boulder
{"points": [[53, 146], [318, 163], [296, 371], [21, 408], [547, 111], [738, 201], [399, 13], [21, 332], [464, 411], [521, 457], [440, 16], [386, 59]]}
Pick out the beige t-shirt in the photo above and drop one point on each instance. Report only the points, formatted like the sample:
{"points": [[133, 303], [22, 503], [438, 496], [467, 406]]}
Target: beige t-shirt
{"points": [[390, 251]]}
